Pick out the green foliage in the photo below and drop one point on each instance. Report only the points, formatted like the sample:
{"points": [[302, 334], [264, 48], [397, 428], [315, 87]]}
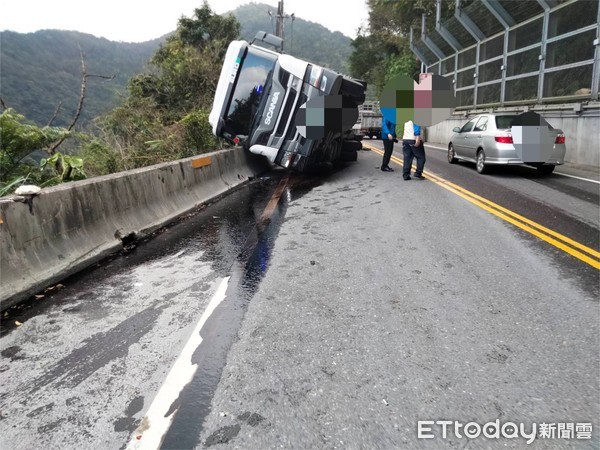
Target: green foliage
{"points": [[18, 140], [398, 16], [197, 136], [384, 52], [367, 61], [65, 167], [124, 134], [163, 112], [189, 63], [208, 30], [165, 116], [11, 185], [378, 58], [403, 64], [42, 70], [139, 138], [99, 158]]}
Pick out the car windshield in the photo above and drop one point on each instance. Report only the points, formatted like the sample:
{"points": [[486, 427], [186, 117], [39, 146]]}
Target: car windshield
{"points": [[503, 122], [253, 73]]}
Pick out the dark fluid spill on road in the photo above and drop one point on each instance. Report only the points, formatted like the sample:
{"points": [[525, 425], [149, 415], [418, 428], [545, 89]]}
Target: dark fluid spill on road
{"points": [[235, 241], [221, 329], [220, 229]]}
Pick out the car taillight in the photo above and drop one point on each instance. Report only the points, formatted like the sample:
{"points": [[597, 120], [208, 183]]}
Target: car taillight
{"points": [[560, 139], [504, 139]]}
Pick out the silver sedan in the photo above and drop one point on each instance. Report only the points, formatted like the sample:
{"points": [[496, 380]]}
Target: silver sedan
{"points": [[506, 139]]}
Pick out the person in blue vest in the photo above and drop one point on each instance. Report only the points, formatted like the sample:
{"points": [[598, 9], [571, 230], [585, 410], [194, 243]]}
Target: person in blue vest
{"points": [[388, 135], [412, 147]]}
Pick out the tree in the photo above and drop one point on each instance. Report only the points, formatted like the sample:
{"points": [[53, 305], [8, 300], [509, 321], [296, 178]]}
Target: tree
{"points": [[18, 139], [367, 57], [383, 51], [189, 62], [158, 121], [398, 16]]}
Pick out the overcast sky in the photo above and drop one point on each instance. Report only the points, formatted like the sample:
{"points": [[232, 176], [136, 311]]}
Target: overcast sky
{"points": [[142, 20]]}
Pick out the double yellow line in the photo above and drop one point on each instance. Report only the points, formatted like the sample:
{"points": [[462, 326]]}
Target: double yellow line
{"points": [[568, 245]]}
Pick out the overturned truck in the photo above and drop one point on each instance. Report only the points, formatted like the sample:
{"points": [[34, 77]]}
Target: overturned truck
{"points": [[297, 114]]}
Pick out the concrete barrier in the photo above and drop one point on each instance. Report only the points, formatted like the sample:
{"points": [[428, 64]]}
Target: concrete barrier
{"points": [[69, 227]]}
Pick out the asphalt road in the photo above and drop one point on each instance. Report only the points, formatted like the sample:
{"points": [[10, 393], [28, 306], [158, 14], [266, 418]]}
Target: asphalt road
{"points": [[356, 307]]}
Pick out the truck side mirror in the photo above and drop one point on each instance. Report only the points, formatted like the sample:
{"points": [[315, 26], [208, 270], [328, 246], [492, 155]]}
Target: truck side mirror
{"points": [[269, 39]]}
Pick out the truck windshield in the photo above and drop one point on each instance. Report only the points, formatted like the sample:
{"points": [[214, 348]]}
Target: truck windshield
{"points": [[253, 73]]}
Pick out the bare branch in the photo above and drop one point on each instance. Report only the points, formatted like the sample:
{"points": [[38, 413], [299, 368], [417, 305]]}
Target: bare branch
{"points": [[56, 111], [84, 77], [3, 104], [82, 93]]}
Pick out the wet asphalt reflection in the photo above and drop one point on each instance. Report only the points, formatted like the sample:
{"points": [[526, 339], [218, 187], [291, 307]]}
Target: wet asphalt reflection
{"points": [[221, 230], [220, 330], [233, 237]]}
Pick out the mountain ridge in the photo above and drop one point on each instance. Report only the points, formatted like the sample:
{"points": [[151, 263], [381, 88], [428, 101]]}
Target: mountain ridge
{"points": [[41, 71]]}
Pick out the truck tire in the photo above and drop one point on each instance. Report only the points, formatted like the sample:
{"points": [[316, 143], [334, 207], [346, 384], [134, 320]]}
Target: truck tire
{"points": [[349, 146], [349, 156]]}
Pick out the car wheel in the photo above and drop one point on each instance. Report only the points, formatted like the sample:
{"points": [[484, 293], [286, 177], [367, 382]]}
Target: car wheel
{"points": [[545, 170], [480, 164], [452, 155]]}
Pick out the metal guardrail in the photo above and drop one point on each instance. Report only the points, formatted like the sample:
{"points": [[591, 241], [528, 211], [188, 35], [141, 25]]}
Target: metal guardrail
{"points": [[536, 58]]}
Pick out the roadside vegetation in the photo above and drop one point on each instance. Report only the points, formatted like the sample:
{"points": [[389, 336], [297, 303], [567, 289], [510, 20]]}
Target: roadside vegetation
{"points": [[381, 51], [164, 115]]}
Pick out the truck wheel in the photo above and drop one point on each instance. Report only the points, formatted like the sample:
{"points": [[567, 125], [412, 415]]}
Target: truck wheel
{"points": [[349, 146]]}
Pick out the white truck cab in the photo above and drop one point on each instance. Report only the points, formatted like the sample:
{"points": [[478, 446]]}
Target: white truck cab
{"points": [[257, 101]]}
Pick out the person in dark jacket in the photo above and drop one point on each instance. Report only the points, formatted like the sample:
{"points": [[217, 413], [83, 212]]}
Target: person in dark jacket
{"points": [[388, 135], [412, 147]]}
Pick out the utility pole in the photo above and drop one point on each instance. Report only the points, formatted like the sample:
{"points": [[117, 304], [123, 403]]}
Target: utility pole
{"points": [[279, 23]]}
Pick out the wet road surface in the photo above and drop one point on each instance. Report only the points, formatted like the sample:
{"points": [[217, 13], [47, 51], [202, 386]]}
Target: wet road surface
{"points": [[362, 305], [89, 357]]}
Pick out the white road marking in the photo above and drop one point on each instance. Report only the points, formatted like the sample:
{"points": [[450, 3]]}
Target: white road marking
{"points": [[577, 178], [435, 146], [156, 423], [556, 173]]}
